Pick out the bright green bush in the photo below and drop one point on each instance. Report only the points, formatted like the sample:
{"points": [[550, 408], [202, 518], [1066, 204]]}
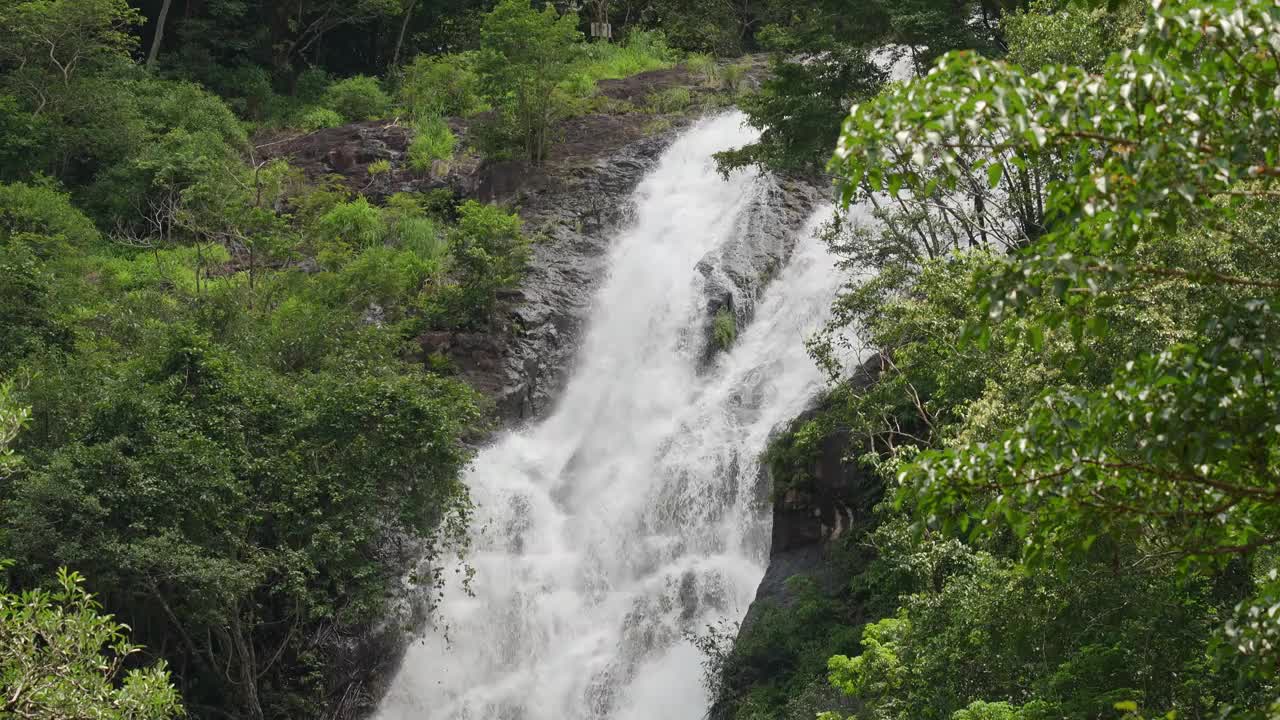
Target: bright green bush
{"points": [[724, 329], [358, 98], [61, 656], [318, 118], [489, 252], [436, 85], [641, 52], [173, 268], [41, 212], [347, 228], [383, 275], [432, 141], [422, 237]]}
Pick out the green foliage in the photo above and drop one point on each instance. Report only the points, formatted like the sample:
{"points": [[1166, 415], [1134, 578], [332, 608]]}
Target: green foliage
{"points": [[48, 46], [422, 237], [489, 253], [704, 66], [641, 52], [778, 657], [441, 86], [707, 27], [1089, 405], [526, 55], [799, 106], [60, 657], [346, 228], [1045, 34], [879, 670], [318, 118], [671, 100], [39, 213], [13, 417], [1131, 165], [358, 98], [432, 142], [311, 85], [724, 329]]}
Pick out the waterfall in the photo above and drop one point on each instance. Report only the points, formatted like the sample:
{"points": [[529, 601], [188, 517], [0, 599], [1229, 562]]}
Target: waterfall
{"points": [[634, 512]]}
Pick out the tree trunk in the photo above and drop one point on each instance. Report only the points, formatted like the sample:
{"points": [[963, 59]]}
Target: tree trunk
{"points": [[404, 26], [159, 37]]}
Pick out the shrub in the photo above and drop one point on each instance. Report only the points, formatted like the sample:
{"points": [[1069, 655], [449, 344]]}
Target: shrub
{"points": [[704, 66], [347, 226], [642, 51], [432, 141], [380, 167], [422, 237], [579, 85], [734, 77], [66, 658], [251, 92], [40, 210], [358, 98], [671, 100], [441, 85], [318, 118], [724, 329], [489, 253], [382, 275], [299, 335], [312, 85]]}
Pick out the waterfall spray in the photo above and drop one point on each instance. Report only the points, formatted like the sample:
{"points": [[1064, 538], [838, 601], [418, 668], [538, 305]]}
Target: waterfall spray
{"points": [[634, 512]]}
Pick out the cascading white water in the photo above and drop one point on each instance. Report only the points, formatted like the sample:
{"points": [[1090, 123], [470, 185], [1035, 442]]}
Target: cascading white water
{"points": [[633, 513]]}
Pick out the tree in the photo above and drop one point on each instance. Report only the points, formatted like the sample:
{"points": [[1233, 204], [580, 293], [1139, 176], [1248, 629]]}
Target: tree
{"points": [[526, 54], [1177, 135], [299, 25], [828, 56], [61, 658], [156, 41], [45, 45]]}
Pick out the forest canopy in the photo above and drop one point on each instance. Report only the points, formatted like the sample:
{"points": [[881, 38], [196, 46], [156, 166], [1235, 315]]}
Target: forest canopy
{"points": [[225, 448]]}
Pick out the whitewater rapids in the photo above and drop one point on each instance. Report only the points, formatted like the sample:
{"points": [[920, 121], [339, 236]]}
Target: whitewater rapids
{"points": [[634, 512]]}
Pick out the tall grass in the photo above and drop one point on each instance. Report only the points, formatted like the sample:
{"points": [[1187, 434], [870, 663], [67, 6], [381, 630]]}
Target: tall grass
{"points": [[432, 141], [641, 52], [704, 66], [422, 237]]}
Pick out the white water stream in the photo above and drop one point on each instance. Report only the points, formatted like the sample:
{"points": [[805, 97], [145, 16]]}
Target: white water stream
{"points": [[633, 512]]}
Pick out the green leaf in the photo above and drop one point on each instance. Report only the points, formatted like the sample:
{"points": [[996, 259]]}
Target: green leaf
{"points": [[994, 172]]}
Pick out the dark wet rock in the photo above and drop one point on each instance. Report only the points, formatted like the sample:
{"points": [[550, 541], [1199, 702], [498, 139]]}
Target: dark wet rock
{"points": [[808, 521], [738, 272]]}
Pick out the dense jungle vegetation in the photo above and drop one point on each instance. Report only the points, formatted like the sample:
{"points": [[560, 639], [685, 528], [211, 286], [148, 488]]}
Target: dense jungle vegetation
{"points": [[219, 441], [1073, 228], [222, 445]]}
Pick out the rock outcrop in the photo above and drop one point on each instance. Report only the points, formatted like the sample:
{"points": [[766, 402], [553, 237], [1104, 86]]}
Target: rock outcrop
{"points": [[738, 272], [808, 520]]}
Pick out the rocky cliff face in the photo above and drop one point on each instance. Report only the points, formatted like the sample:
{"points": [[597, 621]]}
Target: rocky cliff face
{"points": [[737, 272], [807, 521]]}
